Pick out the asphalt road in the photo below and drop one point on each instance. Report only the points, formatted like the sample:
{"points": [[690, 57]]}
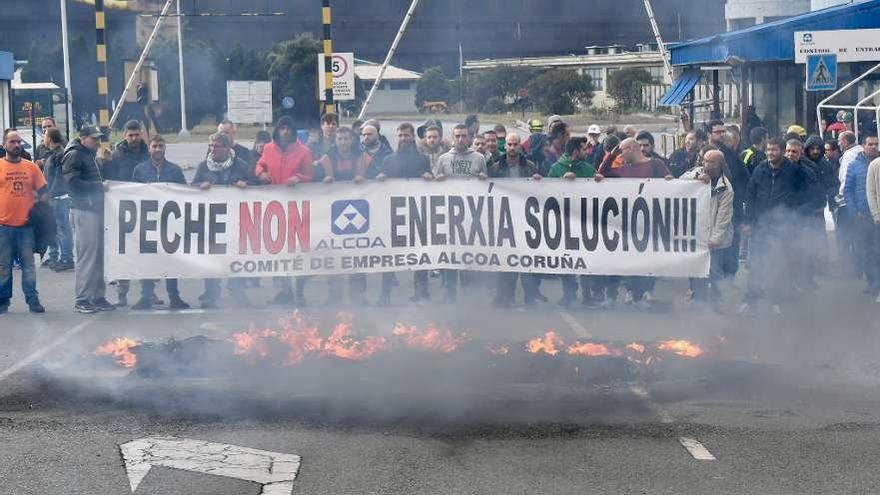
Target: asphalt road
{"points": [[785, 405]]}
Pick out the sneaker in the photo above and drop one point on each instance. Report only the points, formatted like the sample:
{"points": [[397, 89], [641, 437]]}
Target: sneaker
{"points": [[628, 297], [84, 307], [63, 266], [649, 298], [143, 304], [178, 303], [541, 297], [103, 305], [775, 310], [34, 306], [121, 302], [49, 263], [746, 310]]}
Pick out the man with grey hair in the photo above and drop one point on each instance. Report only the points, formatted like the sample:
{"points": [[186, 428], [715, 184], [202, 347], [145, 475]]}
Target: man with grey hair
{"points": [[223, 168], [720, 222]]}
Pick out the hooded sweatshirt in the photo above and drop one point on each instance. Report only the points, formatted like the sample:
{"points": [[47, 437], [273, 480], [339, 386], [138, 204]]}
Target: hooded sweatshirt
{"points": [[282, 162], [827, 175]]}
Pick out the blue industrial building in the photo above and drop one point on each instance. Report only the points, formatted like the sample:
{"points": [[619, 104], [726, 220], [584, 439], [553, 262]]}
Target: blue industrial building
{"points": [[760, 60]]}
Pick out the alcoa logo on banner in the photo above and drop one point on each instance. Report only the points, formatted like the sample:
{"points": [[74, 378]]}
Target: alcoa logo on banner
{"points": [[350, 217]]}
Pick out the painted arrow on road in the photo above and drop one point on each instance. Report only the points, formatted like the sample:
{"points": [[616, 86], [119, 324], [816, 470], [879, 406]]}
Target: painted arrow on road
{"points": [[274, 470]]}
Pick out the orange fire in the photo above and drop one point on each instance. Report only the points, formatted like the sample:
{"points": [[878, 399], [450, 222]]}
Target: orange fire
{"points": [[431, 338], [302, 337], [636, 347], [682, 348], [548, 344], [591, 349], [120, 349]]}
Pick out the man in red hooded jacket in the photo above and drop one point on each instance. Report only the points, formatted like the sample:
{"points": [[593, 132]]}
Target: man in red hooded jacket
{"points": [[286, 161]]}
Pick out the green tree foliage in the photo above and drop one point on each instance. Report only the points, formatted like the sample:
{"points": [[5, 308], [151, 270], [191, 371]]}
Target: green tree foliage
{"points": [[625, 86], [561, 91], [500, 82], [494, 105], [433, 86], [293, 65]]}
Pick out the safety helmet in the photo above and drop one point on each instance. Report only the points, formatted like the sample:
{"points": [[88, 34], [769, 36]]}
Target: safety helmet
{"points": [[796, 129]]}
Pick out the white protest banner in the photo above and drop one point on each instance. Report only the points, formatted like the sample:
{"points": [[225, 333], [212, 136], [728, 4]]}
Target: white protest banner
{"points": [[616, 227]]}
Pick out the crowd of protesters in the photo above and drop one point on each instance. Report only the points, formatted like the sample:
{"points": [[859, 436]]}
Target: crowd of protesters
{"points": [[768, 202]]}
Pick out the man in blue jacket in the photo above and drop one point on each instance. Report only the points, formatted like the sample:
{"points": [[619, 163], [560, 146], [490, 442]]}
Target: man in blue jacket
{"points": [[855, 193]]}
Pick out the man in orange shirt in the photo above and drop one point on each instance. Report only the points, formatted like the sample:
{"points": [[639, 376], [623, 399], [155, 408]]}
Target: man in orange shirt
{"points": [[20, 183], [286, 161]]}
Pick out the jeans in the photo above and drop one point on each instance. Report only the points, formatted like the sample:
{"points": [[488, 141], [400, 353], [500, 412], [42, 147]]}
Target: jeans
{"points": [[62, 249], [864, 235], [17, 242]]}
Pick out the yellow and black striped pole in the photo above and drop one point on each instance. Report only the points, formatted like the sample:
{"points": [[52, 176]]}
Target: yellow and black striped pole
{"points": [[103, 90], [329, 105]]}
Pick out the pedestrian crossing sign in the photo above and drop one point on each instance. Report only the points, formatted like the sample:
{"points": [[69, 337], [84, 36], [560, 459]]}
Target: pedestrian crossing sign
{"points": [[821, 72]]}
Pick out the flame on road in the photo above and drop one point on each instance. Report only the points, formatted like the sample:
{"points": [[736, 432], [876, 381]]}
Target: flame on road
{"points": [[121, 350], [298, 337], [682, 348]]}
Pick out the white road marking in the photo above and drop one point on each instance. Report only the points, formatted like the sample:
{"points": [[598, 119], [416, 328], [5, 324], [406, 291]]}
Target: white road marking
{"points": [[37, 355], [642, 393], [274, 470], [697, 450], [576, 327]]}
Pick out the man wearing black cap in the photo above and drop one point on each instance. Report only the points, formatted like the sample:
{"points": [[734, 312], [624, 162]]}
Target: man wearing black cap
{"points": [[85, 184]]}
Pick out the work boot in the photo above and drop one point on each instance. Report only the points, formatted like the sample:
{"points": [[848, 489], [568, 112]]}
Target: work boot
{"points": [[34, 306], [175, 302], [143, 304]]}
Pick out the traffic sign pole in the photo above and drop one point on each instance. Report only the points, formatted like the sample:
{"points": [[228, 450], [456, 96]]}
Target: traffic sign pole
{"points": [[329, 105]]}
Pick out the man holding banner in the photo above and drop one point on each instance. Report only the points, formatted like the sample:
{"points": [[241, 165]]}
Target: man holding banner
{"points": [[286, 161], [635, 166], [460, 161], [223, 168]]}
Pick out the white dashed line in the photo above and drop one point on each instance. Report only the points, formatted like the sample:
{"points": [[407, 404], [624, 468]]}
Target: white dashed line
{"points": [[15, 368], [697, 450], [642, 393], [576, 327]]}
